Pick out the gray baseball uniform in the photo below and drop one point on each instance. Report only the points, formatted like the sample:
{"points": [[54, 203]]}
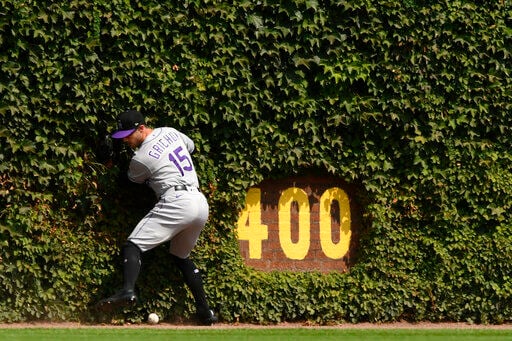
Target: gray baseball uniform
{"points": [[164, 163]]}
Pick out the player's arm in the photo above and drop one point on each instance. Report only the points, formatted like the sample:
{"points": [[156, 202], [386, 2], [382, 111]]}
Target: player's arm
{"points": [[138, 172]]}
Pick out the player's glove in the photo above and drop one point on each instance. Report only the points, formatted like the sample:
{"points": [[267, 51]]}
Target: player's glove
{"points": [[105, 152]]}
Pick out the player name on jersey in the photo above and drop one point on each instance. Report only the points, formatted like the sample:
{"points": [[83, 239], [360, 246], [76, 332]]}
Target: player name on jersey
{"points": [[159, 146], [300, 223]]}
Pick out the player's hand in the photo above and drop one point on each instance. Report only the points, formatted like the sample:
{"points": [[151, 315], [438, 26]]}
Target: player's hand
{"points": [[105, 151]]}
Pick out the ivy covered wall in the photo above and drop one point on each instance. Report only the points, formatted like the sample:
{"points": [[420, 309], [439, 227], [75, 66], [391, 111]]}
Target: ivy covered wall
{"points": [[410, 100]]}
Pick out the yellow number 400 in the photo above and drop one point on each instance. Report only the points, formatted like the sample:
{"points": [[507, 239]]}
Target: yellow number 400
{"points": [[252, 230]]}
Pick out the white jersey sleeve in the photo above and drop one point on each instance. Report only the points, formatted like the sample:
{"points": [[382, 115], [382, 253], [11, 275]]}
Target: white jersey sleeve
{"points": [[188, 142]]}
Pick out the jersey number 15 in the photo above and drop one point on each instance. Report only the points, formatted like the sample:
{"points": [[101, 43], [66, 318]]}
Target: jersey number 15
{"points": [[181, 161]]}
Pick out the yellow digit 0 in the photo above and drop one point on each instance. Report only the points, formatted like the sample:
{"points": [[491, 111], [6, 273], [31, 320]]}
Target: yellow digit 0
{"points": [[335, 250], [249, 225], [300, 249]]}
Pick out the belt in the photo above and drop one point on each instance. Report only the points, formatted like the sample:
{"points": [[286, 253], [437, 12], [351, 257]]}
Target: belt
{"points": [[179, 188], [185, 188]]}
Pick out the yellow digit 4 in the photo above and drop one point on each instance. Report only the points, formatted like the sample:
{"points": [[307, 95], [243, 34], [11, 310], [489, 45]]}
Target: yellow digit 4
{"points": [[249, 226]]}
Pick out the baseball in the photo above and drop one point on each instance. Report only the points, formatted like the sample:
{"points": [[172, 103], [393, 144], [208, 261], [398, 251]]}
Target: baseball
{"points": [[153, 318]]}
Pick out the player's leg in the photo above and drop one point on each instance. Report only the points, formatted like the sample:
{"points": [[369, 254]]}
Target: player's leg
{"points": [[193, 280], [146, 235], [131, 265], [180, 248], [131, 255]]}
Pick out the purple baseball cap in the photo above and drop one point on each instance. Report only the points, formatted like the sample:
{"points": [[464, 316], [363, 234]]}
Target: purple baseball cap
{"points": [[127, 123]]}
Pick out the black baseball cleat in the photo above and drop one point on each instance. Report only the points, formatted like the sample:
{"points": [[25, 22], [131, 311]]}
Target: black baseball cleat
{"points": [[207, 318], [122, 298]]}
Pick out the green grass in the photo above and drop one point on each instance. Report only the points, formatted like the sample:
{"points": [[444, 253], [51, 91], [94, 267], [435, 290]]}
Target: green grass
{"points": [[148, 334]]}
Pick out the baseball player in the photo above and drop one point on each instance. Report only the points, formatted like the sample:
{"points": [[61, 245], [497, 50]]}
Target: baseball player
{"points": [[162, 161]]}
